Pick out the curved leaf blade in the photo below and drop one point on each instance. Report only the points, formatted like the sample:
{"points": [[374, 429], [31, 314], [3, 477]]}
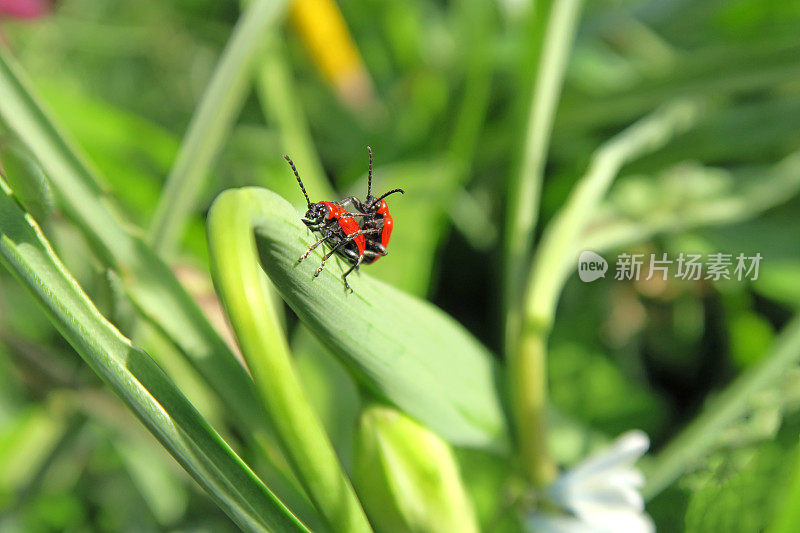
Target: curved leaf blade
{"points": [[402, 348]]}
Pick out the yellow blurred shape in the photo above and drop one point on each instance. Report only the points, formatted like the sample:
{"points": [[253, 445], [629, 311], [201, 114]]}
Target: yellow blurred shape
{"points": [[324, 32]]}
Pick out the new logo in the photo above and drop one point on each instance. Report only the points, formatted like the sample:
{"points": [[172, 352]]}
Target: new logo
{"points": [[591, 266]]}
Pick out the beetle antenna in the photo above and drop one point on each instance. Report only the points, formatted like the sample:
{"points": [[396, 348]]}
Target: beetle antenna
{"points": [[369, 175], [299, 181], [392, 192]]}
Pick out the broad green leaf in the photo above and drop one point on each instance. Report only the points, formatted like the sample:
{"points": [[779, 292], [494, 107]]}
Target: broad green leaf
{"points": [[400, 347], [135, 377], [739, 489]]}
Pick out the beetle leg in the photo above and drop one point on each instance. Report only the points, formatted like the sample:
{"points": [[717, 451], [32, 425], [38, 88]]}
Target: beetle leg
{"points": [[312, 247], [353, 200], [344, 276], [337, 246], [379, 250]]}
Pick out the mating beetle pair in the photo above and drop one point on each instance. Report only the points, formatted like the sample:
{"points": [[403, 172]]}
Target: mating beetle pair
{"points": [[356, 242]]}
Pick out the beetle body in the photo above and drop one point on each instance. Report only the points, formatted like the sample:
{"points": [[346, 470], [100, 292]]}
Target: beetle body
{"points": [[339, 229], [375, 218]]}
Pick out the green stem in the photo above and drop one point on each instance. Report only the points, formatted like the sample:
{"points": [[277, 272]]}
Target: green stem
{"points": [[211, 124], [525, 187], [528, 383], [563, 233], [527, 365], [477, 23], [248, 299], [557, 22]]}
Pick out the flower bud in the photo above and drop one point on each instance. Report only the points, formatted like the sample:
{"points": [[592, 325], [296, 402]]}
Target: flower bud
{"points": [[407, 477]]}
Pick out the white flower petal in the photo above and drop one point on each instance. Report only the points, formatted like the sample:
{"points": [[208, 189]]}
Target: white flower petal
{"points": [[629, 476], [601, 492], [609, 522], [626, 450], [623, 497], [618, 521]]}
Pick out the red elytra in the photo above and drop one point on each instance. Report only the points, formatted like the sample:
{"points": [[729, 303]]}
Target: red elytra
{"points": [[347, 223], [386, 232], [388, 223], [375, 218]]}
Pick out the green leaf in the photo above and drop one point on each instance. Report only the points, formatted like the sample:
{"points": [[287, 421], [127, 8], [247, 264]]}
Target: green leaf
{"points": [[788, 511], [135, 377], [739, 489], [402, 348]]}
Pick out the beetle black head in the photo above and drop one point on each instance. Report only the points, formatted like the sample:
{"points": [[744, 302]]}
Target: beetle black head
{"points": [[316, 214]]}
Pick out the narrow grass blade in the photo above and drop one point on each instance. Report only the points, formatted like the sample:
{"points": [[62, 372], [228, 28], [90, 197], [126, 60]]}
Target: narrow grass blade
{"points": [[211, 123], [135, 377], [524, 189], [401, 348], [277, 94]]}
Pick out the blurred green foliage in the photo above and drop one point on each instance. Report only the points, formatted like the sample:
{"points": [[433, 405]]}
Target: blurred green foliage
{"points": [[124, 79]]}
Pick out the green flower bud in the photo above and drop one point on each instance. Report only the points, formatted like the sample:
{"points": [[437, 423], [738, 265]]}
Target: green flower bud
{"points": [[407, 477]]}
